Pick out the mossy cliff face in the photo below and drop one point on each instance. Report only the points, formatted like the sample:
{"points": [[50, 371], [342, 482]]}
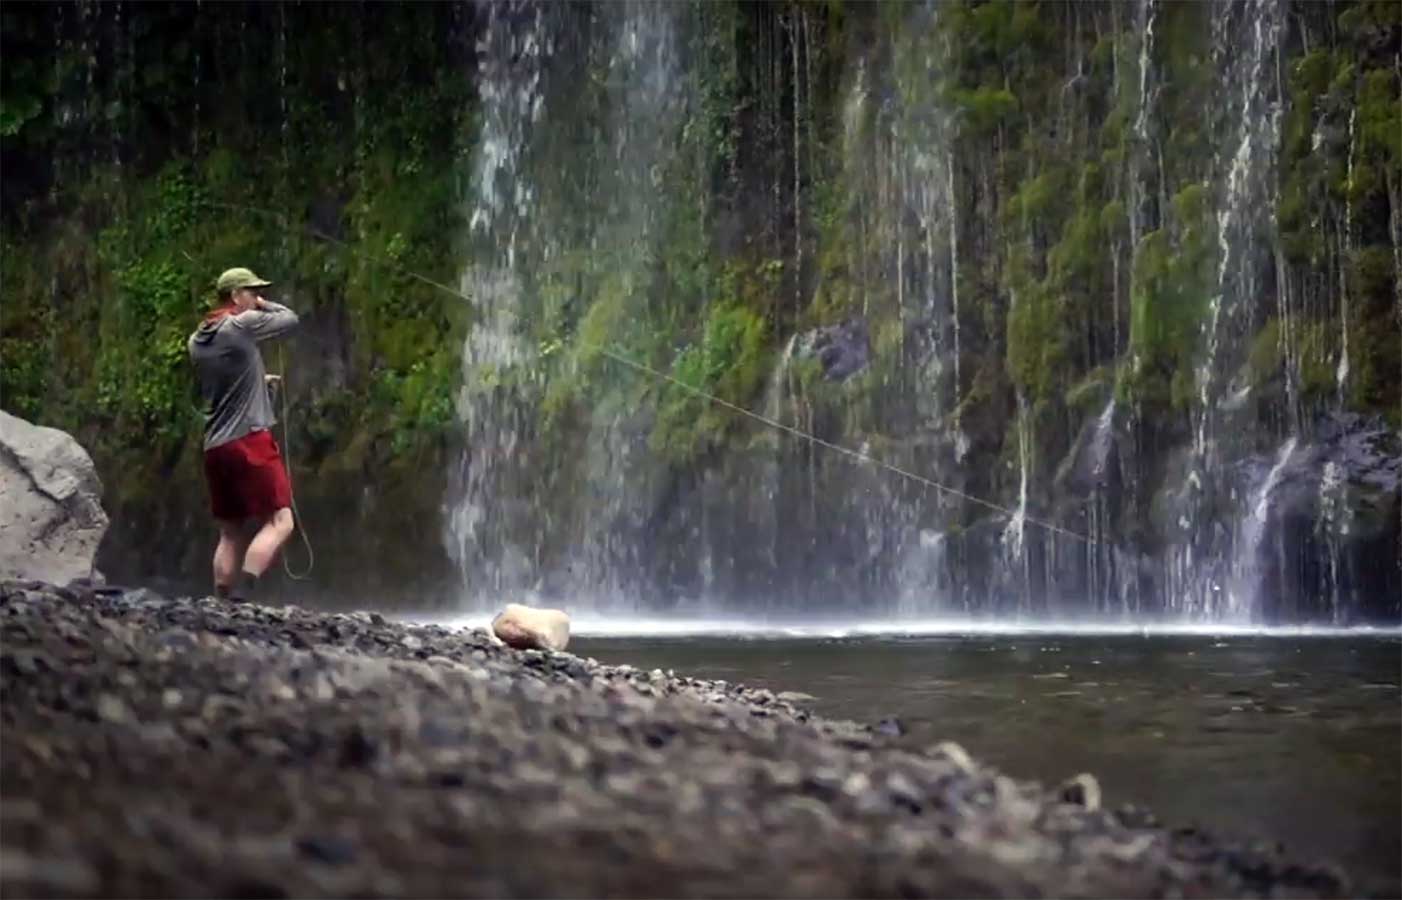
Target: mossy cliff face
{"points": [[147, 148], [1107, 260]]}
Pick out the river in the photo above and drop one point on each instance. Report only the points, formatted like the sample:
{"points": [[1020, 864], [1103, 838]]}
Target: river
{"points": [[1294, 736]]}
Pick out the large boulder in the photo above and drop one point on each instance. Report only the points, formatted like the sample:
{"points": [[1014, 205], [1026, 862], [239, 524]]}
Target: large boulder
{"points": [[51, 517], [528, 628], [1332, 524]]}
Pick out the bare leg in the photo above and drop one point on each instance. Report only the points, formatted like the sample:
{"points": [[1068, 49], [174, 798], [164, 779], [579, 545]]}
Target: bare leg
{"points": [[267, 542], [227, 556]]}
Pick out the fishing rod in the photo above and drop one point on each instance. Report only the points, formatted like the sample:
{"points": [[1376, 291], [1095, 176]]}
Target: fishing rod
{"points": [[622, 359]]}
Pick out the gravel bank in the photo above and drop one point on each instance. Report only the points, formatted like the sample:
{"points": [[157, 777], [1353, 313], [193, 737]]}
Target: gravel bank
{"points": [[158, 746]]}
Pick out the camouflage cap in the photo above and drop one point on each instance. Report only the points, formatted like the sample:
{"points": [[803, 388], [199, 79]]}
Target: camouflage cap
{"points": [[233, 279]]}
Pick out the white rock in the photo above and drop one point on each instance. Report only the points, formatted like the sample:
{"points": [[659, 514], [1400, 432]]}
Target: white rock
{"points": [[955, 754], [529, 628], [1082, 790]]}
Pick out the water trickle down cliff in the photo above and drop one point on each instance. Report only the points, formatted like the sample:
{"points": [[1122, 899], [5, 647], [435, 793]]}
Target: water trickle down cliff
{"points": [[855, 173]]}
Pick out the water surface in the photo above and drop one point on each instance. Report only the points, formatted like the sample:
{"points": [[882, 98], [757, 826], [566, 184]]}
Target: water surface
{"points": [[1294, 737]]}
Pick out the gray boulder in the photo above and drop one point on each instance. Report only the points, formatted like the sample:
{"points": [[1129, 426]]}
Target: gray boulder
{"points": [[51, 517], [843, 349]]}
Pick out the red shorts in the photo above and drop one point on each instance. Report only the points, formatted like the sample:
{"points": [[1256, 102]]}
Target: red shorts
{"points": [[246, 478]]}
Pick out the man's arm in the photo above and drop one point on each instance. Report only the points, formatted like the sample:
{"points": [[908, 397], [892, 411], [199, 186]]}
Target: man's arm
{"points": [[267, 321]]}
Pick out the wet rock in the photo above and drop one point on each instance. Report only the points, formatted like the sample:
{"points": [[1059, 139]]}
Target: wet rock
{"points": [[357, 750], [843, 349], [1132, 816], [891, 727], [41, 874], [327, 849], [252, 887]]}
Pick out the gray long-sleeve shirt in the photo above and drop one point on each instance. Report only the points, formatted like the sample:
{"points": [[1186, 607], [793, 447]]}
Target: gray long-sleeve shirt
{"points": [[230, 371]]}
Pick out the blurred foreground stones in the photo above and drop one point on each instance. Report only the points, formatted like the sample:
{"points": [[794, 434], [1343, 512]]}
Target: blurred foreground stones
{"points": [[159, 747]]}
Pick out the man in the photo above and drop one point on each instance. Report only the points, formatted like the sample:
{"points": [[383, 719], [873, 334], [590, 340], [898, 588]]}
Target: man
{"points": [[242, 463]]}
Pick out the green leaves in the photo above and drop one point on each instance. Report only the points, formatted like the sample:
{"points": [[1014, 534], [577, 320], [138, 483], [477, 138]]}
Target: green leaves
{"points": [[16, 111], [728, 363]]}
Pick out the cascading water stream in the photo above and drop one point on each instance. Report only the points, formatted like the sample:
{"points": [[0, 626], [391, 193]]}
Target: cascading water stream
{"points": [[1245, 191], [859, 221], [1142, 118], [1335, 518], [483, 527], [1015, 560], [1341, 373], [541, 234], [1243, 598]]}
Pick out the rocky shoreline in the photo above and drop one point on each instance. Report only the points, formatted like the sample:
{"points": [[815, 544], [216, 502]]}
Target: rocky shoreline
{"points": [[161, 747]]}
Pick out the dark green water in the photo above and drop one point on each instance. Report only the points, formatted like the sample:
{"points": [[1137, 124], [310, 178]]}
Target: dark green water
{"points": [[1295, 739]]}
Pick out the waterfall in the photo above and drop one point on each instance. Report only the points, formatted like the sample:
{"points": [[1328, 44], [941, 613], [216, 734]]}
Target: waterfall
{"points": [[775, 388], [765, 509], [563, 214], [509, 75], [1243, 599], [824, 213], [1243, 189], [572, 214], [1014, 534], [1245, 192], [1342, 372], [797, 31], [1334, 521], [484, 524], [954, 270], [922, 579], [1142, 118]]}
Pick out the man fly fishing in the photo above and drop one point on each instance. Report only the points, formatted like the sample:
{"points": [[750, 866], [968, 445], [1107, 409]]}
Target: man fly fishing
{"points": [[243, 465]]}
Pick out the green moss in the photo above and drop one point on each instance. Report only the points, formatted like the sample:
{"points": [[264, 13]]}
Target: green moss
{"points": [[1315, 357], [1264, 359], [1373, 275], [132, 249], [1113, 218], [728, 362], [1360, 20], [26, 333], [1169, 299], [984, 109], [1079, 255], [1168, 302], [1311, 73], [1380, 113], [1040, 195], [1036, 348], [1375, 358], [1089, 394]]}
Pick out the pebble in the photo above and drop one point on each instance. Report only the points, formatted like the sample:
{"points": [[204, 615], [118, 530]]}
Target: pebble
{"points": [[426, 761], [112, 709]]}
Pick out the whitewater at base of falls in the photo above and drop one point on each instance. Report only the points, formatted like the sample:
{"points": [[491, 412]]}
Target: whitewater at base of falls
{"points": [[620, 626]]}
